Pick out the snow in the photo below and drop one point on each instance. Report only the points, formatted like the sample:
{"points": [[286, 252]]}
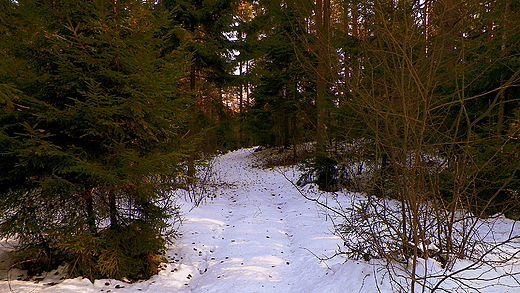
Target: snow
{"points": [[256, 233]]}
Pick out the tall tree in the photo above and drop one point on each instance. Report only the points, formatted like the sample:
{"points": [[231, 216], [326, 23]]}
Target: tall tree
{"points": [[201, 27], [91, 145], [282, 112], [323, 71]]}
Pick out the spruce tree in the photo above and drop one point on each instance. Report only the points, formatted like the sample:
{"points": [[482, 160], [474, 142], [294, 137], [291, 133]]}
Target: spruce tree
{"points": [[199, 28], [91, 134], [283, 112]]}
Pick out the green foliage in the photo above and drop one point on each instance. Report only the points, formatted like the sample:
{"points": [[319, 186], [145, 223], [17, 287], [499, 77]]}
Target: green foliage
{"points": [[207, 23], [201, 28], [39, 258], [495, 167], [91, 133], [283, 113], [323, 171], [128, 252]]}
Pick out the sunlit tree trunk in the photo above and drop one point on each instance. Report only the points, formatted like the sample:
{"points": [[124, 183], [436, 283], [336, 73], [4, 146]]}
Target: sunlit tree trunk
{"points": [[323, 71]]}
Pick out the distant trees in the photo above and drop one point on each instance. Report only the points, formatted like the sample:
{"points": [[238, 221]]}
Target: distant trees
{"points": [[411, 76], [282, 113], [202, 29], [92, 125]]}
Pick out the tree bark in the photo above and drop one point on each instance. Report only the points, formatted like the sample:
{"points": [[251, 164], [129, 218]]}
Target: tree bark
{"points": [[113, 210], [323, 70], [89, 203]]}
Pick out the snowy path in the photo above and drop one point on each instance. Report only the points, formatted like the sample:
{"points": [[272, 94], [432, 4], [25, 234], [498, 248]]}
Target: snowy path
{"points": [[259, 236]]}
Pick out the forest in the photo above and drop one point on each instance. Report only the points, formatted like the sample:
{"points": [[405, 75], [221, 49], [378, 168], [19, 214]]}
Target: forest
{"points": [[108, 107]]}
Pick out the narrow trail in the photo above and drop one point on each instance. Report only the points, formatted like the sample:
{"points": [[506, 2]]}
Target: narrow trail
{"points": [[245, 237]]}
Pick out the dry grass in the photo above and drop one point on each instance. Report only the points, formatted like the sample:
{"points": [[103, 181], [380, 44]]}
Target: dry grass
{"points": [[280, 156]]}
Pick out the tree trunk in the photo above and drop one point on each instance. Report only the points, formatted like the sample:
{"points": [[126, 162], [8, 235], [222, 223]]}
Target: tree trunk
{"points": [[89, 202], [113, 210], [323, 70], [502, 94], [191, 125]]}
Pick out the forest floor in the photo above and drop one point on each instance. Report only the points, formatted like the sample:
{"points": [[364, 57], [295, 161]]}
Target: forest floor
{"points": [[255, 233]]}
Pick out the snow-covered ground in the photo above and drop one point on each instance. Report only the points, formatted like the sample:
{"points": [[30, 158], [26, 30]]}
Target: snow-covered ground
{"points": [[256, 234]]}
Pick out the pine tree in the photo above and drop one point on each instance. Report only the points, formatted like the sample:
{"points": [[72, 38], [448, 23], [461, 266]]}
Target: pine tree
{"points": [[91, 145], [199, 28], [283, 110]]}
